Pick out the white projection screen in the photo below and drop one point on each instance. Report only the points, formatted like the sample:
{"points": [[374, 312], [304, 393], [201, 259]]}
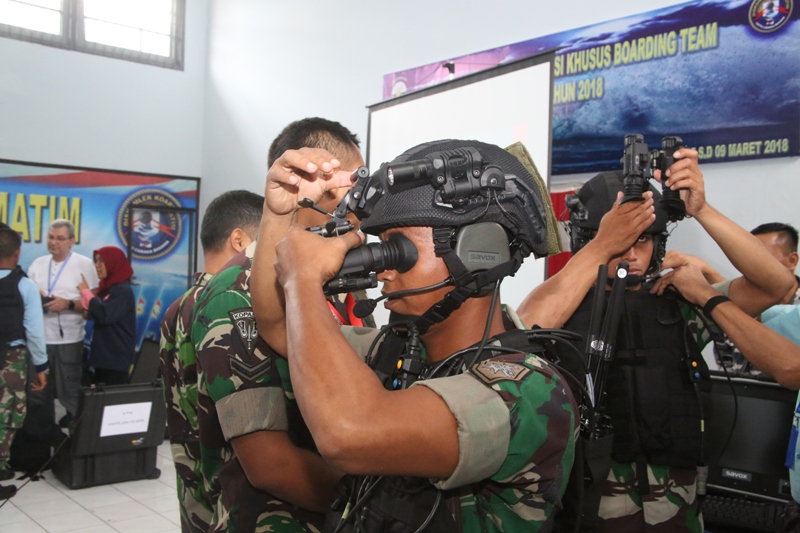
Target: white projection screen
{"points": [[501, 106]]}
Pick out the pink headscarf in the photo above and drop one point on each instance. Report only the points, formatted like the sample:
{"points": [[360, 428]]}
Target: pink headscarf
{"points": [[118, 268]]}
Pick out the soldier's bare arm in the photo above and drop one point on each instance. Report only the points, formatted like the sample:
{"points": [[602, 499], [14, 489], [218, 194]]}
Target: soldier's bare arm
{"points": [[297, 174], [357, 425], [764, 280], [773, 353], [274, 464], [552, 303]]}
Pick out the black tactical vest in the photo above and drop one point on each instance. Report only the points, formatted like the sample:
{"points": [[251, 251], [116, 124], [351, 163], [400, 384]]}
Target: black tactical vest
{"points": [[402, 504], [13, 308], [651, 398]]}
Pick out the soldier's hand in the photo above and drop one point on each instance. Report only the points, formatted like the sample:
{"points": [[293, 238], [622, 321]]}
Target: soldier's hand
{"points": [[315, 259], [623, 224], [304, 173], [688, 280], [685, 176]]}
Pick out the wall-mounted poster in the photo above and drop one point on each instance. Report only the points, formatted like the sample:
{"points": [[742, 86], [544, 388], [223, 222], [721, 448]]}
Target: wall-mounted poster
{"points": [[722, 74], [151, 217]]}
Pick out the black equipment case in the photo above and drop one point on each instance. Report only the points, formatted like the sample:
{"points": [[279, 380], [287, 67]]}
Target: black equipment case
{"points": [[115, 436]]}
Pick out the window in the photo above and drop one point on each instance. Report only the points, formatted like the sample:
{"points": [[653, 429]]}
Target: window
{"points": [[146, 31]]}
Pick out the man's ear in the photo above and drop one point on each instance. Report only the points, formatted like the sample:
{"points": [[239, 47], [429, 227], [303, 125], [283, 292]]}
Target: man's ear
{"points": [[793, 260], [239, 240]]}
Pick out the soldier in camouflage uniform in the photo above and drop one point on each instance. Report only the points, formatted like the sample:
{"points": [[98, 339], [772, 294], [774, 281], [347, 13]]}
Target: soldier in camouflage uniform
{"points": [[230, 223], [21, 337], [652, 398], [264, 472], [487, 445]]}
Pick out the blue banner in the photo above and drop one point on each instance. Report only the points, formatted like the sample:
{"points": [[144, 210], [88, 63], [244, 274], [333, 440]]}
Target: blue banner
{"points": [[99, 203], [723, 75]]}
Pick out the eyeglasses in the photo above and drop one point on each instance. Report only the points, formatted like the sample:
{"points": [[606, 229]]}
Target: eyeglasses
{"points": [[59, 238]]}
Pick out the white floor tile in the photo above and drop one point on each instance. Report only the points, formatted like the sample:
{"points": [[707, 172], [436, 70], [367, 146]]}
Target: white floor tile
{"points": [[70, 522], [161, 505], [58, 507], [11, 514], [37, 492], [173, 515], [151, 524], [24, 527], [121, 512], [144, 489], [169, 481], [97, 529], [102, 496]]}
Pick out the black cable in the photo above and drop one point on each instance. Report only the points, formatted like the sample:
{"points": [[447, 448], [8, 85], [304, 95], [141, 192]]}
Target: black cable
{"points": [[488, 327], [433, 512], [38, 474], [360, 502]]}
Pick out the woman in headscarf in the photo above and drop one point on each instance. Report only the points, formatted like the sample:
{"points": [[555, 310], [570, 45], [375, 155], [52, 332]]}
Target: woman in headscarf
{"points": [[114, 313]]}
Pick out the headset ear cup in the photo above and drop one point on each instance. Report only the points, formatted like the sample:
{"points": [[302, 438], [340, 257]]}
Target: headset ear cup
{"points": [[483, 246]]}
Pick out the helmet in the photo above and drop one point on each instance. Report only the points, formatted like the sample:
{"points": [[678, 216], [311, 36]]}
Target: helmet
{"points": [[517, 206], [485, 209], [596, 198]]}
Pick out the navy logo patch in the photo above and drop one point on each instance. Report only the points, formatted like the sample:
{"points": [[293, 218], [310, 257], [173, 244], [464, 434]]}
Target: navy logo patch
{"points": [[244, 320], [768, 15], [491, 372], [148, 221]]}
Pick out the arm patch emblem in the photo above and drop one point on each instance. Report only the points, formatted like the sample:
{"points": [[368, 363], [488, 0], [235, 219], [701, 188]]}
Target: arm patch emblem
{"points": [[491, 372], [244, 321], [249, 372]]}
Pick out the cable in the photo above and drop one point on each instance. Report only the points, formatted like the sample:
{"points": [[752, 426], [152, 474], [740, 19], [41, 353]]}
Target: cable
{"points": [[38, 474], [488, 327]]}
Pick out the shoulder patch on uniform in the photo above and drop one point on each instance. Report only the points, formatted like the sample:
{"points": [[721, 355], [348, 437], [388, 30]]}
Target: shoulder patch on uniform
{"points": [[244, 321], [250, 372], [491, 372]]}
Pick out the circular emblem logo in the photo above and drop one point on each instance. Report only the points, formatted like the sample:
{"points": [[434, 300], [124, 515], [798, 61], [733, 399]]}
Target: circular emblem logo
{"points": [[154, 231], [399, 87], [768, 15]]}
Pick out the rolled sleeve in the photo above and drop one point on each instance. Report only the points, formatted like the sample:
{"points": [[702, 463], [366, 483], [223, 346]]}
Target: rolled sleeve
{"points": [[250, 410], [723, 286], [484, 428]]}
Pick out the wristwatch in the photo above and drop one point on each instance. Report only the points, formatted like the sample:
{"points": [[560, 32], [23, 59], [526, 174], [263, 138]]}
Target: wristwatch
{"points": [[71, 305]]}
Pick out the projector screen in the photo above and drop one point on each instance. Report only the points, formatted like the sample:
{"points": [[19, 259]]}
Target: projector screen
{"points": [[501, 106]]}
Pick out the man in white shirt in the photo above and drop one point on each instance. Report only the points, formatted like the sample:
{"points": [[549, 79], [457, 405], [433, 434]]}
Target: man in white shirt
{"points": [[57, 275]]}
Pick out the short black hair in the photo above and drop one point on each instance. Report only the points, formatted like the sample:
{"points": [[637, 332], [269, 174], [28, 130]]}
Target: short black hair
{"points": [[314, 132], [228, 211], [10, 241], [788, 234]]}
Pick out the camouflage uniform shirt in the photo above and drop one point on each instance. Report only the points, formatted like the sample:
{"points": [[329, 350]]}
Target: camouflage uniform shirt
{"points": [[179, 373], [243, 387], [517, 425]]}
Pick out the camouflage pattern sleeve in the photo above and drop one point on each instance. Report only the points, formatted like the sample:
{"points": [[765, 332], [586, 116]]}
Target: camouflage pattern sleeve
{"points": [[525, 493], [179, 374], [242, 387], [525, 488], [697, 330]]}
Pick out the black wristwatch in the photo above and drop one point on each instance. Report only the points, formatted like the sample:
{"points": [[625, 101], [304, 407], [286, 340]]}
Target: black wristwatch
{"points": [[71, 305]]}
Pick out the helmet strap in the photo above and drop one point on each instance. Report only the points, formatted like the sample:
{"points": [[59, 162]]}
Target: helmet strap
{"points": [[467, 284]]}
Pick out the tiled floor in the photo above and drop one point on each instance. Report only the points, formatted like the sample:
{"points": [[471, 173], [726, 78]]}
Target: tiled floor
{"points": [[135, 506]]}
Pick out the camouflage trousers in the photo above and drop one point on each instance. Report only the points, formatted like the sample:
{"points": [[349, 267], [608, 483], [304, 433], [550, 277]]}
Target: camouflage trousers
{"points": [[194, 503], [13, 377], [671, 504]]}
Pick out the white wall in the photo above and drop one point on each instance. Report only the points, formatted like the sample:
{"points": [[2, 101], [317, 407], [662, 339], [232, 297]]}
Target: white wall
{"points": [[253, 66], [70, 108], [274, 62]]}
